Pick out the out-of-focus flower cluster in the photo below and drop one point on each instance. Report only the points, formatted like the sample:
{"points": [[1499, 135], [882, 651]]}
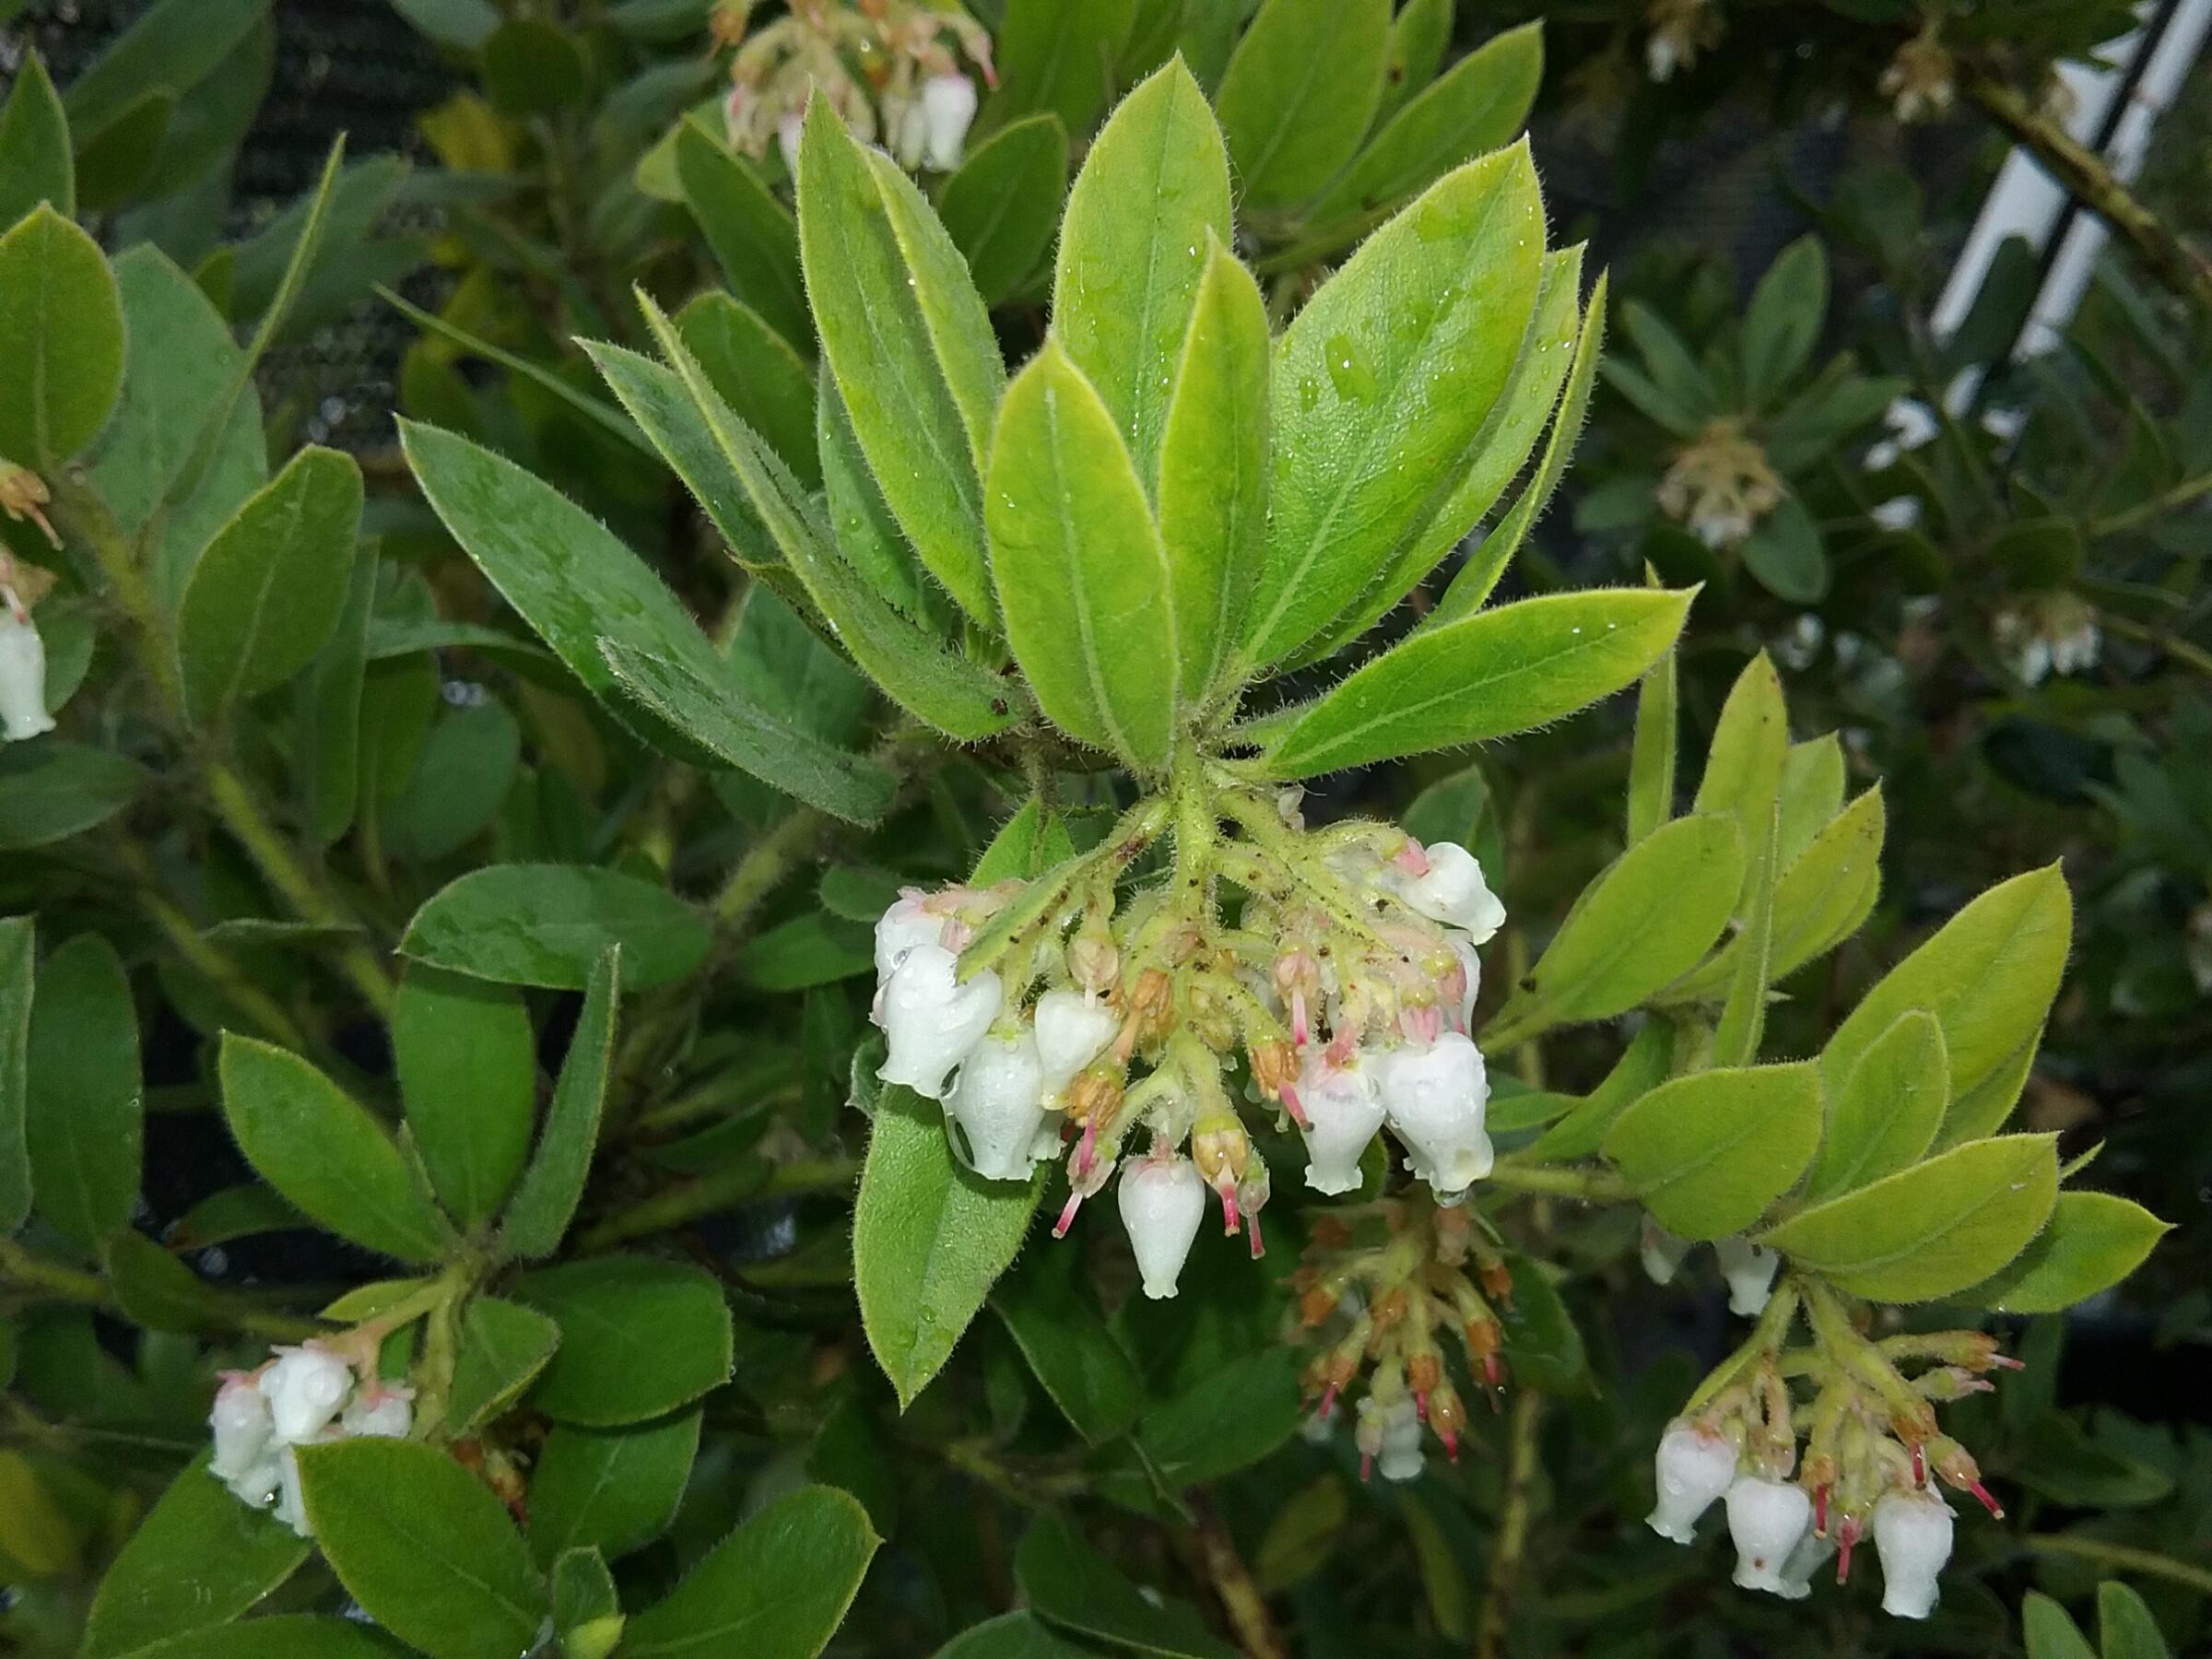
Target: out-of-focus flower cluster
{"points": [[22, 651], [1720, 485], [304, 1396], [891, 69]]}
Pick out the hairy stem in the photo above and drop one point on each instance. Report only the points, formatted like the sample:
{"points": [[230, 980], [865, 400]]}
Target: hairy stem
{"points": [[1597, 1187]]}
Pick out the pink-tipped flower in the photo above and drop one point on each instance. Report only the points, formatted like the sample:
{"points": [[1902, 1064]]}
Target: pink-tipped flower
{"points": [[1162, 1202], [380, 1411], [1692, 1468], [908, 923], [1452, 891], [1766, 1520], [1343, 1112], [1913, 1536]]}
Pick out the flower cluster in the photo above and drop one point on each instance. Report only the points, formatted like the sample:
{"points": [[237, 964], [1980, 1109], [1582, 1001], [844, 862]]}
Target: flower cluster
{"points": [[889, 67], [22, 653], [1680, 31], [1922, 79], [2047, 633], [1870, 1443], [1338, 996], [1720, 485], [304, 1396]]}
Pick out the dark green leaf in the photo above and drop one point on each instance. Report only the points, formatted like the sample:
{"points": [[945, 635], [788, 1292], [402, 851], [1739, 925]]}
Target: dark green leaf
{"points": [[17, 954], [548, 924], [34, 147], [466, 1059], [615, 1490], [554, 1181], [84, 1117], [52, 790], [1300, 92], [1003, 206], [639, 1337], [1048, 1306], [1071, 1584], [754, 370], [1784, 318], [503, 1347], [60, 337]]}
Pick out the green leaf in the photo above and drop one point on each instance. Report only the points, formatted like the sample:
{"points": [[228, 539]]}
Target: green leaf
{"points": [[83, 1101], [753, 236], [1383, 382], [503, 1347], [639, 1337], [34, 147], [117, 161], [1743, 768], [1009, 1636], [1489, 675], [2055, 1458], [60, 337], [1048, 1305], [1300, 93], [424, 1547], [808, 949], [1784, 553], [1642, 1066], [1783, 321], [2094, 1241], [1213, 469], [550, 1187], [594, 602], [587, 1611], [1709, 1152], [267, 591], [616, 1490], [861, 521], [170, 46], [1543, 1346], [929, 1238], [1812, 792], [1231, 1417], [2048, 1632], [1743, 1023], [461, 777], [776, 1588], [532, 67], [548, 925], [1058, 55], [18, 955], [52, 790], [154, 1289], [282, 1636], [1069, 1583], [1884, 1113], [1150, 200], [910, 343], [1932, 1228], [198, 1559], [766, 383], [1652, 910], [2125, 1629], [1989, 978], [1003, 204], [322, 1150], [327, 754], [1652, 752]]}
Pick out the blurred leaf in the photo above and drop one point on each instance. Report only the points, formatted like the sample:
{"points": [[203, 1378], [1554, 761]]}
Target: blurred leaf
{"points": [[532, 67], [1300, 92], [1069, 1583], [1784, 318], [548, 924], [1785, 554], [170, 46], [2057, 1460], [2125, 1626], [1443, 1584], [2048, 1632], [1229, 1418], [1009, 1636], [1057, 57], [280, 1636], [2037, 552], [62, 337], [1707, 1153], [639, 1337], [467, 24], [85, 1110], [1543, 1346], [34, 147], [1054, 1319], [18, 951], [1302, 1535], [50, 789]]}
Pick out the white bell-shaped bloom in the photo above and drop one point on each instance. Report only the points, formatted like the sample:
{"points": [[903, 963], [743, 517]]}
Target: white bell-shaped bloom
{"points": [[1913, 1536], [1813, 1552], [1766, 1520], [1390, 1435], [243, 1429], [305, 1388], [1693, 1468], [1073, 1030], [22, 678], [1343, 1111], [998, 1101], [1453, 892], [1662, 1253], [1434, 1095], [291, 1508], [899, 929], [947, 108], [380, 1411], [1163, 1200], [788, 131], [933, 1021], [1749, 1269]]}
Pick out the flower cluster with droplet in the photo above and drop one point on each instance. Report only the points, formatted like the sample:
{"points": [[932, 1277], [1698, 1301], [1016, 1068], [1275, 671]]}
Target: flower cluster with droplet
{"points": [[1328, 977], [1870, 1444], [305, 1396]]}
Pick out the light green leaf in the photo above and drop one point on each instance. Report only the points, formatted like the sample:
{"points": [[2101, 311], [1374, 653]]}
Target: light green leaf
{"points": [[766, 383], [776, 1588], [424, 1547], [1419, 36], [1069, 1583], [1489, 675], [639, 1338], [587, 1611], [1213, 469], [1003, 204], [615, 1490], [1812, 792], [753, 236], [1382, 383], [1981, 1110], [1150, 200], [1884, 1114], [1652, 752], [34, 147], [467, 1064], [1932, 1228], [550, 924], [861, 521], [550, 1187], [1300, 92], [2095, 1240], [83, 1103], [1709, 1152], [1079, 568], [1743, 1023], [320, 1149], [1743, 768], [60, 337], [1048, 1305], [503, 1347], [52, 790], [17, 954]]}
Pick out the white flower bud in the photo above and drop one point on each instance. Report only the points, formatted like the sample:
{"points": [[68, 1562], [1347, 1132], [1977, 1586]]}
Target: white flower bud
{"points": [[243, 1429], [1343, 1111], [305, 1388], [998, 1101], [1766, 1520], [291, 1508], [1663, 1254], [1749, 1269], [1913, 1536], [1433, 1095], [933, 1021], [1813, 1552], [1453, 892], [900, 928], [1692, 1468], [1162, 1200], [1073, 1030], [380, 1411], [22, 678], [947, 108]]}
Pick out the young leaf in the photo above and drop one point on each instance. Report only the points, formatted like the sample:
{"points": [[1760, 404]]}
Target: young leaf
{"points": [[639, 1338], [1151, 199], [1002, 204], [424, 1547], [776, 1588], [546, 1200], [615, 1490], [549, 925], [1812, 792], [503, 1347], [1383, 382], [1709, 1152], [1486, 675], [34, 147], [754, 238], [322, 1149], [1081, 572], [1932, 1228], [198, 1561], [861, 521], [2095, 1240], [60, 337], [1883, 1116], [18, 956], [85, 1108], [1743, 768], [1300, 93]]}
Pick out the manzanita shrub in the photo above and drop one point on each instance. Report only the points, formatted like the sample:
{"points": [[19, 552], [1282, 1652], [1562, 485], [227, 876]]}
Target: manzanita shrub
{"points": [[1122, 613]]}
